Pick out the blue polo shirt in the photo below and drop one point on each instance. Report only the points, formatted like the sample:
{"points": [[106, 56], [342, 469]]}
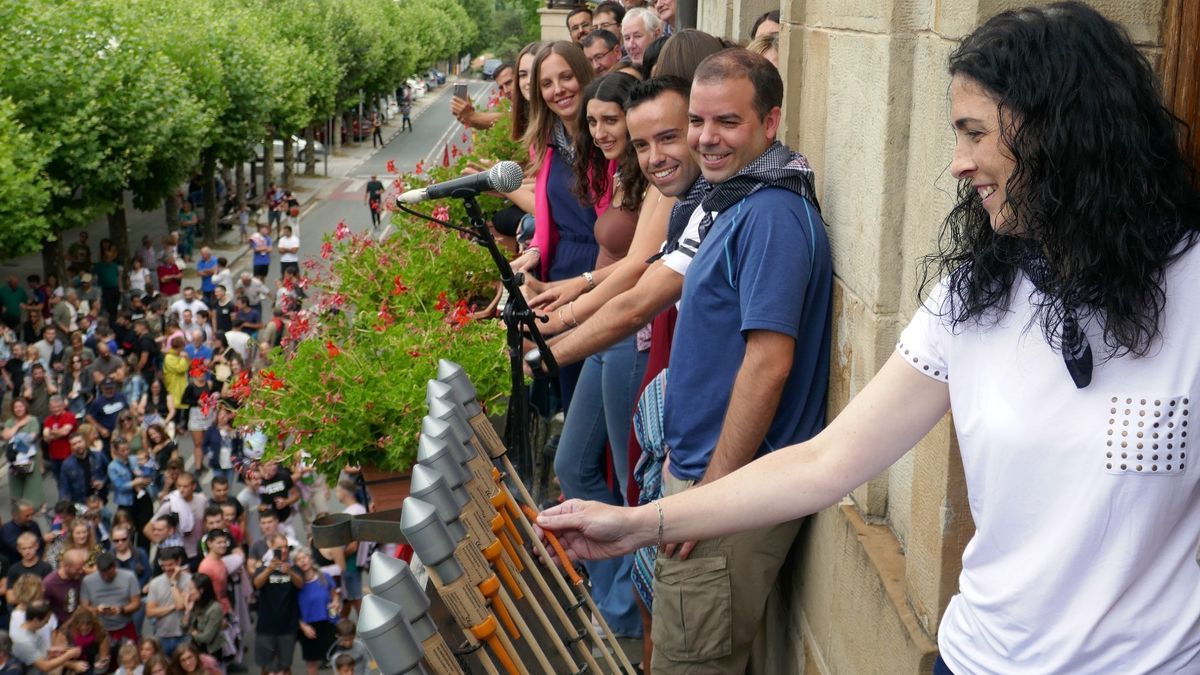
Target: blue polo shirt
{"points": [[206, 282], [765, 265]]}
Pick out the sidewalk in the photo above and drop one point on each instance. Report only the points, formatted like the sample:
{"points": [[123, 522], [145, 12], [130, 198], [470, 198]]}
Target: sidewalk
{"points": [[309, 190]]}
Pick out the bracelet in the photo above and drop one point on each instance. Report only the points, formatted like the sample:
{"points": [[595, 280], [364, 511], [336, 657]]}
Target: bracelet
{"points": [[590, 281], [574, 319], [658, 504], [562, 320]]}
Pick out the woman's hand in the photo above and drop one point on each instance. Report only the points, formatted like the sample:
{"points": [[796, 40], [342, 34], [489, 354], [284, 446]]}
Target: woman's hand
{"points": [[559, 294], [591, 530], [309, 631], [526, 261]]}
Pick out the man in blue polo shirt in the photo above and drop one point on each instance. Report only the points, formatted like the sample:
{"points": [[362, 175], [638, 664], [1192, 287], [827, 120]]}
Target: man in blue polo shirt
{"points": [[206, 267], [750, 357]]}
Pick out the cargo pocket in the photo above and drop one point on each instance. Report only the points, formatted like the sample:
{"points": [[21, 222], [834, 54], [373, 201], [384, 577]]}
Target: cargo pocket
{"points": [[692, 612]]}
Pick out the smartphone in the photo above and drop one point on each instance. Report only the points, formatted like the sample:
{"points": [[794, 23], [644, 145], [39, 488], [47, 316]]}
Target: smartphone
{"points": [[281, 554], [460, 90]]}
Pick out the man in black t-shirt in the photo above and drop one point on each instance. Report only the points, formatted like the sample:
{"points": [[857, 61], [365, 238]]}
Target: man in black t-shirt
{"points": [[278, 489], [278, 584], [222, 311], [374, 198], [147, 350]]}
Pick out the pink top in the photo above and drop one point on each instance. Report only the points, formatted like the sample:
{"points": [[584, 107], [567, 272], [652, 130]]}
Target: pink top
{"points": [[545, 232]]}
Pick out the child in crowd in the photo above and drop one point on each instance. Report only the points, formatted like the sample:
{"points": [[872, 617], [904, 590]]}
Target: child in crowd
{"points": [[129, 659], [348, 646]]}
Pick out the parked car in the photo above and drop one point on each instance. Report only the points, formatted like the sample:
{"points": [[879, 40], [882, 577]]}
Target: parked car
{"points": [[416, 86], [489, 68], [299, 144], [431, 81], [441, 77]]}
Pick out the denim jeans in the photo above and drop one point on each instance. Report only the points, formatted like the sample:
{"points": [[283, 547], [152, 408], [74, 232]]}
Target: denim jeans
{"points": [[602, 410]]}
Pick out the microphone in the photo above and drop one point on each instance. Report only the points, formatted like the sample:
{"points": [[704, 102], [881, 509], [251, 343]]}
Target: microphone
{"points": [[502, 177]]}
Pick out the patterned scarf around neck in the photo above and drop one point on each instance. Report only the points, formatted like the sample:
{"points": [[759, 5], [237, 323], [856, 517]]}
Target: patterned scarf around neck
{"points": [[1075, 348], [776, 167], [561, 142]]}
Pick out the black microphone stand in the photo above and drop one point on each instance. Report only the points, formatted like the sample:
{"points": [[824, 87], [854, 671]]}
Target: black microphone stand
{"points": [[519, 320]]}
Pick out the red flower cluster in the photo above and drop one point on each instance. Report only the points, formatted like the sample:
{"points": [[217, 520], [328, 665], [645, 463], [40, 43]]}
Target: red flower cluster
{"points": [[441, 212], [341, 231], [270, 380], [326, 249], [461, 315], [391, 166], [384, 316], [198, 368], [398, 287], [443, 302], [332, 349], [241, 386], [420, 168]]}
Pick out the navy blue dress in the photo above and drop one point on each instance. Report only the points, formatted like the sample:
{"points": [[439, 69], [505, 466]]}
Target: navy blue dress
{"points": [[576, 250]]}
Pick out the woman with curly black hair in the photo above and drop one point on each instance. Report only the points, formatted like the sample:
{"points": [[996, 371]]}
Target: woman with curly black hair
{"points": [[1063, 336]]}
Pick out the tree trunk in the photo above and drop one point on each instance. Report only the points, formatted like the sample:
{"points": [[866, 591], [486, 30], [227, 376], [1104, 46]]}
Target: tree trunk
{"points": [[52, 259], [310, 160], [171, 206], [337, 132], [208, 172], [239, 177], [268, 160], [118, 230], [289, 159]]}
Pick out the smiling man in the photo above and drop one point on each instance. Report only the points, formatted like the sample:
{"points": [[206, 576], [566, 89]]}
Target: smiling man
{"points": [[757, 292], [640, 27]]}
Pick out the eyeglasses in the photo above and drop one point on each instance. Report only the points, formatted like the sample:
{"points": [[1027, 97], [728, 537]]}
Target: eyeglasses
{"points": [[600, 57], [586, 25], [607, 25], [120, 541]]}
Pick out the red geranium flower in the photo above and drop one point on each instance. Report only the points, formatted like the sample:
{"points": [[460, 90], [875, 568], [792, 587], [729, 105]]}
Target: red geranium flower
{"points": [[398, 286], [441, 212], [197, 369], [443, 302], [326, 250], [271, 380], [341, 231], [391, 166], [420, 168], [331, 349]]}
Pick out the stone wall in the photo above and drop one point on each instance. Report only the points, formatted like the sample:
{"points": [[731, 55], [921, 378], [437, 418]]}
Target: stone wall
{"points": [[866, 101]]}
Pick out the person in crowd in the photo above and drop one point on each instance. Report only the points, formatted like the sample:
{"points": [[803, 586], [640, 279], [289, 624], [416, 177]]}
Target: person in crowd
{"points": [[20, 437], [21, 523], [1034, 95], [564, 243], [289, 251], [275, 206], [190, 660], [204, 616], [218, 542], [115, 594], [23, 592], [170, 277], [666, 12], [156, 665], [30, 645], [766, 24], [85, 631], [262, 243], [373, 197], [649, 58], [767, 46], [189, 302], [189, 505], [406, 111], [279, 489], [139, 280], [128, 660], [640, 27], [254, 290], [344, 664], [608, 16], [579, 23], [603, 51], [251, 504], [464, 111], [83, 473], [202, 398], [63, 584], [103, 411], [149, 648], [29, 564], [278, 583], [320, 606], [38, 387], [189, 223], [166, 599], [349, 645], [134, 560], [222, 444], [9, 664]]}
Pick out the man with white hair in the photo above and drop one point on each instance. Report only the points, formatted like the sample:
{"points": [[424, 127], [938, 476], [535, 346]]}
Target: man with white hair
{"points": [[254, 290], [640, 27]]}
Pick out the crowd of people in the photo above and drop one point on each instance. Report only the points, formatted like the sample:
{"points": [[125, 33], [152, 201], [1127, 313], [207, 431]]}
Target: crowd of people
{"points": [[169, 533]]}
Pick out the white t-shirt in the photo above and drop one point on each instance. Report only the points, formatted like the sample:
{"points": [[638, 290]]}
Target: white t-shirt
{"points": [[689, 242], [1086, 515], [224, 278], [138, 280], [179, 305], [289, 242]]}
